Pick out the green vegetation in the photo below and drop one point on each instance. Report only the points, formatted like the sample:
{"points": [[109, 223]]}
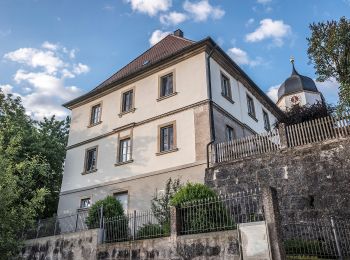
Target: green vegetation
{"points": [[191, 192], [329, 51], [31, 162], [152, 230]]}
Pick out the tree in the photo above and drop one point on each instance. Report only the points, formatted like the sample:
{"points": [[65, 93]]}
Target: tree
{"points": [[329, 51], [31, 165], [160, 203]]}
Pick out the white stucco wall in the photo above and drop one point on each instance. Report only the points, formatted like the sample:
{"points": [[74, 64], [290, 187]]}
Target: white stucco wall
{"points": [[143, 153], [190, 85], [239, 95]]}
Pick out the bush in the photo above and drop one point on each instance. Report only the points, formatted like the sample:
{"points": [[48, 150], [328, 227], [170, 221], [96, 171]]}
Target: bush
{"points": [[153, 230], [201, 209], [116, 223]]}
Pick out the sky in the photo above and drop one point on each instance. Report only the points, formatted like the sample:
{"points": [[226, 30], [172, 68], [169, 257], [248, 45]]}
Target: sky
{"points": [[52, 51]]}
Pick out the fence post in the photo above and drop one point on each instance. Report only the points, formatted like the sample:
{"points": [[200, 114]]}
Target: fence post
{"points": [[76, 222], [273, 222], [101, 217], [134, 226], [336, 239], [38, 228], [175, 222], [54, 231], [283, 135], [101, 233]]}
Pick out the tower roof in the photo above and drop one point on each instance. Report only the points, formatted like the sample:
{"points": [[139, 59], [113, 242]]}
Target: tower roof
{"points": [[296, 83]]}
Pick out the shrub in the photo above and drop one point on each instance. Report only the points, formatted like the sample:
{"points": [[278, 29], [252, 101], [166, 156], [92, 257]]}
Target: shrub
{"points": [[116, 227], [152, 230], [201, 209]]}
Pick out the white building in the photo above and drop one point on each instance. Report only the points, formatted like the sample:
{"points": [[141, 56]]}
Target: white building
{"points": [[153, 120]]}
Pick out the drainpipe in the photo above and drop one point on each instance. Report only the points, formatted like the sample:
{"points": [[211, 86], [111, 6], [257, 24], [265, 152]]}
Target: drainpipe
{"points": [[211, 112]]}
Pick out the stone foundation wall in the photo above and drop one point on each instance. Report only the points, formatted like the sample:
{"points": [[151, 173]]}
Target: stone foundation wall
{"points": [[311, 180], [80, 245], [215, 245]]}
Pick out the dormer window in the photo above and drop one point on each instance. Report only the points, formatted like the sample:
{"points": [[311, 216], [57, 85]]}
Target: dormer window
{"points": [[95, 117]]}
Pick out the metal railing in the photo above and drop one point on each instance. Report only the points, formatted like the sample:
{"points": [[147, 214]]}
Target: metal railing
{"points": [[317, 239], [134, 226], [247, 146], [222, 212], [61, 224], [318, 130]]}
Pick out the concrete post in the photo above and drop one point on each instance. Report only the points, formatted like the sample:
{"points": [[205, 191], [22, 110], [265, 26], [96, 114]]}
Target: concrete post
{"points": [[283, 135], [175, 223], [273, 222]]}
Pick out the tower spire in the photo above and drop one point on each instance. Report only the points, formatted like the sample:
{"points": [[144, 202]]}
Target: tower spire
{"points": [[292, 60]]}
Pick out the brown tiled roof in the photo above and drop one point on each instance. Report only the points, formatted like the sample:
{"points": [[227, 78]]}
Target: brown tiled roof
{"points": [[164, 48]]}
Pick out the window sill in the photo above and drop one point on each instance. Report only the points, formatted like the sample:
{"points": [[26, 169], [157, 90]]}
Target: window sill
{"points": [[228, 98], [167, 96], [83, 209], [94, 124], [92, 171], [127, 112], [252, 116], [122, 163], [166, 152]]}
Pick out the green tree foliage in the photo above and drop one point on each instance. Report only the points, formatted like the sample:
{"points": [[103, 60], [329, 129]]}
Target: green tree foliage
{"points": [[116, 223], [298, 114], [31, 159], [201, 209], [329, 51]]}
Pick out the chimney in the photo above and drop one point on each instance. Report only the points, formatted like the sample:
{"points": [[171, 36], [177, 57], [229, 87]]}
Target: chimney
{"points": [[179, 33]]}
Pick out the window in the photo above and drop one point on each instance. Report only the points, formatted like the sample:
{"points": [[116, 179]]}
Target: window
{"points": [[266, 121], [123, 198], [125, 150], [90, 160], [226, 87], [127, 101], [167, 138], [229, 133], [95, 117], [251, 108], [85, 203], [166, 85]]}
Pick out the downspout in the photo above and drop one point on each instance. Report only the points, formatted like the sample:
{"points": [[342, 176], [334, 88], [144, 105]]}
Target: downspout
{"points": [[211, 111]]}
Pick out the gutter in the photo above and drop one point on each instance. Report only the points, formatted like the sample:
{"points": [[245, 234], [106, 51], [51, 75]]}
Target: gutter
{"points": [[211, 111]]}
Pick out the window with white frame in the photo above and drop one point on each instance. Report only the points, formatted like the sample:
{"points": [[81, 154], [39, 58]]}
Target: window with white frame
{"points": [[124, 150], [266, 121], [230, 135], [166, 85], [251, 107], [85, 203], [127, 101], [95, 116]]}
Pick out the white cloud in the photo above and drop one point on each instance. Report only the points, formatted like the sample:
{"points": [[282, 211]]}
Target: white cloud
{"points": [[49, 46], [36, 58], [6, 89], [157, 35], [41, 78], [150, 7], [249, 22], [202, 10], [270, 29], [80, 68], [241, 57], [173, 18], [272, 93]]}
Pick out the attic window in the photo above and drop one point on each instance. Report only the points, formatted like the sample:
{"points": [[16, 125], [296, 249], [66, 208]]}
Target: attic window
{"points": [[145, 62]]}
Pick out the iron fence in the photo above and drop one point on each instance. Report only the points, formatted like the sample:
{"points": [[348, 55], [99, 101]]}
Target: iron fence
{"points": [[222, 212], [136, 225], [62, 224], [317, 239]]}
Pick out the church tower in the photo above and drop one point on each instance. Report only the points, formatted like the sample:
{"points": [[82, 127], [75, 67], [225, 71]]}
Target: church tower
{"points": [[298, 90]]}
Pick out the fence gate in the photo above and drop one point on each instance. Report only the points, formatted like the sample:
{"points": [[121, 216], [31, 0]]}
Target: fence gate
{"points": [[317, 239]]}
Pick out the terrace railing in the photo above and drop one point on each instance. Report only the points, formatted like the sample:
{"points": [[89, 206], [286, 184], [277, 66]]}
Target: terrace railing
{"points": [[318, 130]]}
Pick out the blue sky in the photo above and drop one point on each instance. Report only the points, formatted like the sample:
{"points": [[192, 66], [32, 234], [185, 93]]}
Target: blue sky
{"points": [[52, 51]]}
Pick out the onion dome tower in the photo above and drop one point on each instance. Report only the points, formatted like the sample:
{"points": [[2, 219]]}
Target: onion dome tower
{"points": [[298, 90]]}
